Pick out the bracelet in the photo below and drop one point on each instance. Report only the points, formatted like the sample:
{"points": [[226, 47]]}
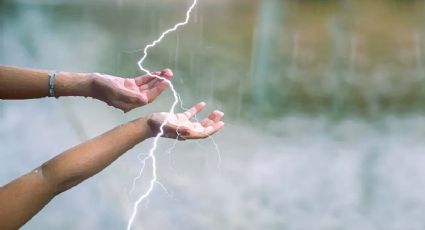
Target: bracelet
{"points": [[52, 77]]}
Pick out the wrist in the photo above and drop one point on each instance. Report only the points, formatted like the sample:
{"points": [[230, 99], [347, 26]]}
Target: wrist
{"points": [[143, 128], [73, 84]]}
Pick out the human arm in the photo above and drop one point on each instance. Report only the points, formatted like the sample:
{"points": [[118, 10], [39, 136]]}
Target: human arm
{"points": [[24, 197], [122, 93]]}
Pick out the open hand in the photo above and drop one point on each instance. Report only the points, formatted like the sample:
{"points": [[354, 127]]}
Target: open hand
{"points": [[180, 126], [126, 93]]}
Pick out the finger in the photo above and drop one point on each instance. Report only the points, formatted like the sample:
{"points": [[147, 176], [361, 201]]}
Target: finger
{"points": [[213, 117], [151, 94], [167, 73], [194, 110], [216, 115], [141, 80], [206, 122], [216, 127], [150, 84]]}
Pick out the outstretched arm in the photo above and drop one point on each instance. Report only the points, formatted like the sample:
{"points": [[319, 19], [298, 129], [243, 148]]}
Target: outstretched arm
{"points": [[22, 198], [23, 83], [122, 93]]}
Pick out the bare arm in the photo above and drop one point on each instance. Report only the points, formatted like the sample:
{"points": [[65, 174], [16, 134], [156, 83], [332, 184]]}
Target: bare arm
{"points": [[22, 83], [122, 93], [22, 198]]}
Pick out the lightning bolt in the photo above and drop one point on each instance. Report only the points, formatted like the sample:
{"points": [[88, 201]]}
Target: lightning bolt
{"points": [[171, 112]]}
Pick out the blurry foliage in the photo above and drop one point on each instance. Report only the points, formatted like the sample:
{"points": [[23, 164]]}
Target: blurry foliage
{"points": [[336, 57]]}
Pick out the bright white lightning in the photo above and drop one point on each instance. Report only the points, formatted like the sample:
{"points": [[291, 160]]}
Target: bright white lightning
{"points": [[171, 112]]}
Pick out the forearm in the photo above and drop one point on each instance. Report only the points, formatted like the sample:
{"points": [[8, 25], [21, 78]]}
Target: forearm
{"points": [[83, 161], [23, 83], [24, 197]]}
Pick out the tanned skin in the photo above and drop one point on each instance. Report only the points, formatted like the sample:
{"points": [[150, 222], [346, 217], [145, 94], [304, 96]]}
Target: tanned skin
{"points": [[24, 197]]}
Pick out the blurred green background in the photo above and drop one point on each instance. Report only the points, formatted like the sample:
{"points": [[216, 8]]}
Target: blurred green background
{"points": [[324, 104]]}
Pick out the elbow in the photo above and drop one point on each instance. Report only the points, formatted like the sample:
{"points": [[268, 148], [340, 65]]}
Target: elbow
{"points": [[50, 181], [56, 181]]}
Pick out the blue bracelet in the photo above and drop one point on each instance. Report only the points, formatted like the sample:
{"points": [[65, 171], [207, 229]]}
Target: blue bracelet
{"points": [[52, 77]]}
